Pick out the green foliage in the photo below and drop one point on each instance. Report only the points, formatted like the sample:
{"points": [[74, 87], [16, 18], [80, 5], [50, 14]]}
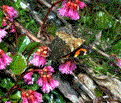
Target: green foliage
{"points": [[102, 20], [89, 40], [99, 17], [1, 16], [31, 87], [52, 29], [116, 48], [4, 46], [16, 96], [32, 46], [98, 92], [1, 93], [6, 2], [18, 64], [100, 69], [22, 43], [6, 83], [27, 21], [53, 97], [17, 4]]}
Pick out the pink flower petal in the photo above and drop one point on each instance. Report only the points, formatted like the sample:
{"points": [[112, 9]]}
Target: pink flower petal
{"points": [[67, 68], [119, 62], [4, 59], [28, 78], [2, 34], [53, 83], [40, 81], [38, 60], [46, 88], [81, 5]]}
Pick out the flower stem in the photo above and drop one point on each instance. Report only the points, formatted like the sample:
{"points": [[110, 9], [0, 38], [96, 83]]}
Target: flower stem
{"points": [[42, 27]]}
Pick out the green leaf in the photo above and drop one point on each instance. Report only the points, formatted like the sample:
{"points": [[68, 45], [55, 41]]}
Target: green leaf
{"points": [[22, 43], [4, 46], [1, 16], [102, 20], [17, 4], [1, 93], [99, 68], [52, 29], [18, 64], [32, 87], [116, 48], [98, 92], [6, 83], [5, 99], [16, 95], [53, 97], [31, 46]]}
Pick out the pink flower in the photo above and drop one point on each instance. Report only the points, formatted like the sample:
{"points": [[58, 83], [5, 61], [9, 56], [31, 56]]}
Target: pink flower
{"points": [[47, 83], [69, 9], [62, 12], [38, 60], [73, 14], [38, 97], [28, 78], [2, 34], [46, 88], [81, 4], [2, 65], [52, 82], [48, 69], [31, 96], [40, 81], [12, 29], [24, 100], [4, 59], [67, 67], [43, 51], [10, 12], [45, 80], [8, 102]]}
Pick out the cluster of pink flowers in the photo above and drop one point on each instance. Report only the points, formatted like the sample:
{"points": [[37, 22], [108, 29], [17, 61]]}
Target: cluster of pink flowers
{"points": [[46, 81], [31, 96], [67, 67], [9, 12], [39, 58], [69, 8], [4, 59], [2, 34]]}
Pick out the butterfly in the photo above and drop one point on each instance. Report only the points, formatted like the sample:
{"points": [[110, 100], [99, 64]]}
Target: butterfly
{"points": [[66, 45]]}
